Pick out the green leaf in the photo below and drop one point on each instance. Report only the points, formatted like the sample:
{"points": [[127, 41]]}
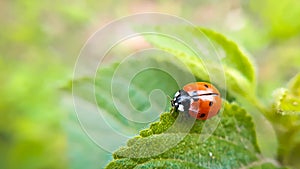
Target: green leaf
{"points": [[286, 121], [234, 57], [131, 93], [294, 85], [224, 63], [231, 145], [288, 99]]}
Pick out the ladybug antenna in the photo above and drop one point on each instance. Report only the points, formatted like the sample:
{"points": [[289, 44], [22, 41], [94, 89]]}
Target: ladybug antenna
{"points": [[172, 108], [169, 97]]}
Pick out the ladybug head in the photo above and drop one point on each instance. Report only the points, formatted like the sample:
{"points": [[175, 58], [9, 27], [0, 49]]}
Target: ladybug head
{"points": [[181, 101]]}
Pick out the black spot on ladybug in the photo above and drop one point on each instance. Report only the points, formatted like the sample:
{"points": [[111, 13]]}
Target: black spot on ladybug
{"points": [[202, 115], [210, 103], [206, 85]]}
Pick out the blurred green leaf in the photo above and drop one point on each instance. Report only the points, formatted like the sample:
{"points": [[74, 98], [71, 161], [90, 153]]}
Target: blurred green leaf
{"points": [[288, 100], [30, 132], [231, 145], [231, 61], [133, 92], [286, 120], [294, 85], [280, 18], [234, 57], [280, 60], [80, 145]]}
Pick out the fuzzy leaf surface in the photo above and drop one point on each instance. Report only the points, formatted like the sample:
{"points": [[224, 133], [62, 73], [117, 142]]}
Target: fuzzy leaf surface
{"points": [[231, 145]]}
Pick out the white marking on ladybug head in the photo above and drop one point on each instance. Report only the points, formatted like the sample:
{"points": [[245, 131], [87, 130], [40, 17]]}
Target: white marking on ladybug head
{"points": [[177, 94], [181, 107]]}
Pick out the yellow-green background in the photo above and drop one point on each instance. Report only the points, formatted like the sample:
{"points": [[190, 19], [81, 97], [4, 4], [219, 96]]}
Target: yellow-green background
{"points": [[39, 43]]}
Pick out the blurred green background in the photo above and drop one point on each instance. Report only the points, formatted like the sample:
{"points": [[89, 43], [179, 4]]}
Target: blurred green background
{"points": [[39, 43]]}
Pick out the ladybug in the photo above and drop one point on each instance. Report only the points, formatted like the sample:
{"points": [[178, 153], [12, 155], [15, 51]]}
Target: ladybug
{"points": [[200, 100]]}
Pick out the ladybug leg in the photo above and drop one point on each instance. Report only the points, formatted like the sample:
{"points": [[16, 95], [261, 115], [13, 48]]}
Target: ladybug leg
{"points": [[172, 110]]}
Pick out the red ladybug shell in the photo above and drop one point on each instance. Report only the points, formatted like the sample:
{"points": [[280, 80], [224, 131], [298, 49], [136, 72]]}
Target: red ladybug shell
{"points": [[200, 100]]}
